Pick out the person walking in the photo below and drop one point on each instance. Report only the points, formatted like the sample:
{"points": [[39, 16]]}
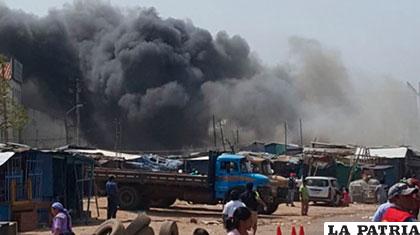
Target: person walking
{"points": [[304, 198], [345, 197], [404, 202], [230, 207], [61, 223], [112, 196], [291, 188], [252, 200], [242, 221]]}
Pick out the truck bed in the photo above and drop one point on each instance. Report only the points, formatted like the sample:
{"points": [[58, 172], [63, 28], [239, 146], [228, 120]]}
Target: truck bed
{"points": [[155, 178]]}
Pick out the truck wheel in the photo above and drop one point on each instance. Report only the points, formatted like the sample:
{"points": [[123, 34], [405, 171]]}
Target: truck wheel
{"points": [[129, 198], [110, 227], [139, 223], [169, 228], [144, 202]]}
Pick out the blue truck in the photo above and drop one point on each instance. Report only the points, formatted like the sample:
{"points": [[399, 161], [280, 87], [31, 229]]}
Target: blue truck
{"points": [[142, 189]]}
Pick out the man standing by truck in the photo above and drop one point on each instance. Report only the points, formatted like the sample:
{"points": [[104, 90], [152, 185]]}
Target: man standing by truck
{"points": [[112, 195], [252, 200], [291, 185]]}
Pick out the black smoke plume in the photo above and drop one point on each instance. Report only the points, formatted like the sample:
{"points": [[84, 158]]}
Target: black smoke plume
{"points": [[134, 66]]}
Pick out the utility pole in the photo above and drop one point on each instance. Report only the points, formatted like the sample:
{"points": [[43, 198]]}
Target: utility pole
{"points": [[214, 132], [300, 132], [78, 90], [285, 138], [221, 133], [235, 144], [237, 137], [301, 145], [117, 143]]}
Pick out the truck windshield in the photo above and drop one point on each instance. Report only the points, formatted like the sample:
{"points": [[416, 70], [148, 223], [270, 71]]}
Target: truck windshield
{"points": [[246, 167]]}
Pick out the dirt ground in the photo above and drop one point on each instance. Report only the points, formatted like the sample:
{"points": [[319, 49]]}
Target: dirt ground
{"points": [[209, 217]]}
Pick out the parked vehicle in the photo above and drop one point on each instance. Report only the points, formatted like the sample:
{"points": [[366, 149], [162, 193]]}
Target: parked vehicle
{"points": [[323, 189], [363, 190], [143, 189]]}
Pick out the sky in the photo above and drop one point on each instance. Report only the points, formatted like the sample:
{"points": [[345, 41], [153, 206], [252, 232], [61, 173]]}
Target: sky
{"points": [[376, 37]]}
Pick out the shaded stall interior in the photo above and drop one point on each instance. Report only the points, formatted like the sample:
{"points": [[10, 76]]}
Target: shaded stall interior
{"points": [[31, 180]]}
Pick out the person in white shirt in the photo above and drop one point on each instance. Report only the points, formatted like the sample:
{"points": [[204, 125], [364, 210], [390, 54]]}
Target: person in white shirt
{"points": [[231, 206]]}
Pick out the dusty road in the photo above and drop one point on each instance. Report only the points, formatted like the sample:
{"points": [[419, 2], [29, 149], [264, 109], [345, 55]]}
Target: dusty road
{"points": [[208, 217]]}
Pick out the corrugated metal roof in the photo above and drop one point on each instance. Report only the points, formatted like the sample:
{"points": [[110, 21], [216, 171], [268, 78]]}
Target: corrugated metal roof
{"points": [[105, 153], [332, 151], [395, 152]]}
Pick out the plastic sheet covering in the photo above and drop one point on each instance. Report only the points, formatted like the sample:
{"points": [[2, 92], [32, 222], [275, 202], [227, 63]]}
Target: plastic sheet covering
{"points": [[5, 156], [154, 163]]}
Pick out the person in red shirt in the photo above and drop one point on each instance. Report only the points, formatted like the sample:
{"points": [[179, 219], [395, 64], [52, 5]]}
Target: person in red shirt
{"points": [[345, 200], [404, 202]]}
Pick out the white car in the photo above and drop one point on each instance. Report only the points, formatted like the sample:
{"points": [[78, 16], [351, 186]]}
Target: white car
{"points": [[323, 189]]}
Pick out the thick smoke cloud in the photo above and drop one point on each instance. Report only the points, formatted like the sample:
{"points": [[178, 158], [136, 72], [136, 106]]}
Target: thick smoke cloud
{"points": [[134, 66], [142, 107], [165, 78]]}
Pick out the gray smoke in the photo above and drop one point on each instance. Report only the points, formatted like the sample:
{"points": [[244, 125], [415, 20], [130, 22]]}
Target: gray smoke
{"points": [[165, 78], [168, 95]]}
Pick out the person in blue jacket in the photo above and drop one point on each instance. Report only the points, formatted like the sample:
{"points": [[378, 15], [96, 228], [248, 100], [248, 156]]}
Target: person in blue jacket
{"points": [[112, 195]]}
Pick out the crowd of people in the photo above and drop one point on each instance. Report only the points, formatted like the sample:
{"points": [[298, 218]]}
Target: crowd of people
{"points": [[399, 203], [402, 204], [240, 213]]}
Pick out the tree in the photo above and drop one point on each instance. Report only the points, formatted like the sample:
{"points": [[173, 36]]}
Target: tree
{"points": [[13, 116]]}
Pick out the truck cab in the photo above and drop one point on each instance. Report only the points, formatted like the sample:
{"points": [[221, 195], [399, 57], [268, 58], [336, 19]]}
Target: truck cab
{"points": [[234, 172]]}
